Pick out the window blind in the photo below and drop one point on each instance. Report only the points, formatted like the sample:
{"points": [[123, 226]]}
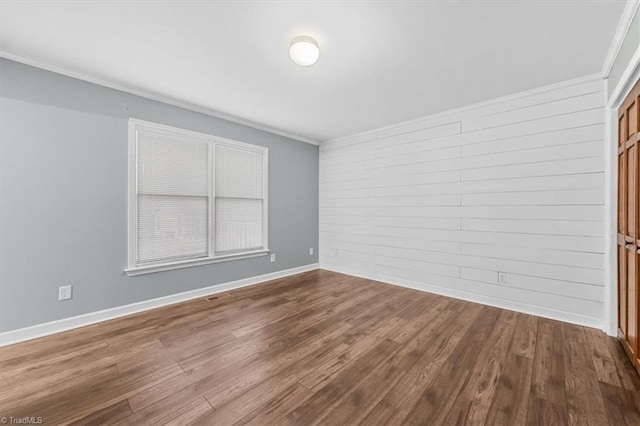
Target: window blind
{"points": [[239, 199], [193, 198], [172, 197]]}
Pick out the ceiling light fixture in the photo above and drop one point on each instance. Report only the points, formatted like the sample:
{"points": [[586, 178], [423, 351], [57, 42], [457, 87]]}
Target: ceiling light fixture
{"points": [[304, 51]]}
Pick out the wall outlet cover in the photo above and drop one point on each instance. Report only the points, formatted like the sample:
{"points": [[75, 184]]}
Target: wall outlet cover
{"points": [[65, 292], [502, 277], [310, 251], [273, 257]]}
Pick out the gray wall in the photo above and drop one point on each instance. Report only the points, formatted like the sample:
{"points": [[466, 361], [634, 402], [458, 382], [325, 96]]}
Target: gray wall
{"points": [[628, 48], [63, 216]]}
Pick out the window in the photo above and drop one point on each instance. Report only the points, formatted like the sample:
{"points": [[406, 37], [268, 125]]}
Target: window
{"points": [[193, 198]]}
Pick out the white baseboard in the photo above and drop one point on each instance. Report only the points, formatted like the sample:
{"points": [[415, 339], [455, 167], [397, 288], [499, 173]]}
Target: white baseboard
{"points": [[45, 329], [477, 298]]}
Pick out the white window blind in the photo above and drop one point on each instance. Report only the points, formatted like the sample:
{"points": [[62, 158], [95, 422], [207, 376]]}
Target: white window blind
{"points": [[173, 198], [193, 197], [239, 199]]}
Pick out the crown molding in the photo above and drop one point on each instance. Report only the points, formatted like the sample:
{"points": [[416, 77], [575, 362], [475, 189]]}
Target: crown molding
{"points": [[628, 78], [623, 28], [150, 95]]}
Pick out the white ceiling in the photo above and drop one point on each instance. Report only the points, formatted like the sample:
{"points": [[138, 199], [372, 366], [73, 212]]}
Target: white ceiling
{"points": [[380, 62]]}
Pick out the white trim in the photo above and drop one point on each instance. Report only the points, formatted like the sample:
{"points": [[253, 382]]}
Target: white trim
{"points": [[610, 219], [514, 96], [132, 187], [152, 96], [151, 126], [265, 185], [53, 327], [133, 268], [265, 206], [476, 298], [627, 79], [624, 25], [181, 264], [212, 202]]}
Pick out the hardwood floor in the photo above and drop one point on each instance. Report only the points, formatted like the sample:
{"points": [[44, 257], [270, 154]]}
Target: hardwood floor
{"points": [[323, 348]]}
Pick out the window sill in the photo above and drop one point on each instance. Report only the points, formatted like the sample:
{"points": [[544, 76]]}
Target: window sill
{"points": [[159, 267]]}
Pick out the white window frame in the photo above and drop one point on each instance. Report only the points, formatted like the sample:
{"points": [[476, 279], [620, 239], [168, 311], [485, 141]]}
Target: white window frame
{"points": [[135, 268]]}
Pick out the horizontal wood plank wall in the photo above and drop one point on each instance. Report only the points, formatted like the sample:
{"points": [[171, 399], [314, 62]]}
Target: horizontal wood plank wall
{"points": [[446, 202]]}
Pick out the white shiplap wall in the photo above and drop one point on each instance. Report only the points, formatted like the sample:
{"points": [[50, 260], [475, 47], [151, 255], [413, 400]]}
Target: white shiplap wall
{"points": [[444, 203]]}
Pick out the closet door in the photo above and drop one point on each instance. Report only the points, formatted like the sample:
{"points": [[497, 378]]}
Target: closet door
{"points": [[629, 224]]}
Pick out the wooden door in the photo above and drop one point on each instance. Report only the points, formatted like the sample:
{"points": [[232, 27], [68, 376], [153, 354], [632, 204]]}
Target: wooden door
{"points": [[629, 224]]}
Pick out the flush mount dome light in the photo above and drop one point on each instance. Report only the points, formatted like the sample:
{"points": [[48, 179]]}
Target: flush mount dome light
{"points": [[304, 51]]}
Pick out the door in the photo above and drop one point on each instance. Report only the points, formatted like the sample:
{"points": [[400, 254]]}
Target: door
{"points": [[629, 224]]}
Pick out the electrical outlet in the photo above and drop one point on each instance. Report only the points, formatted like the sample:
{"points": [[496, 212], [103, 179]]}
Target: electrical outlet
{"points": [[273, 257], [502, 277], [310, 251], [65, 292]]}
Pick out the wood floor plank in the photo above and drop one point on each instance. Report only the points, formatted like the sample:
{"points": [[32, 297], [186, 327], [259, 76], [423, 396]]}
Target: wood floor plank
{"points": [[543, 412], [107, 416], [312, 411], [362, 399], [623, 405], [472, 403], [584, 398], [325, 373], [54, 376], [547, 402], [182, 407], [323, 348], [278, 333], [144, 398], [420, 314], [435, 402], [322, 376], [278, 406], [44, 400], [217, 383], [625, 370], [449, 329], [602, 360], [511, 400], [524, 343], [269, 393], [37, 354], [266, 366]]}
